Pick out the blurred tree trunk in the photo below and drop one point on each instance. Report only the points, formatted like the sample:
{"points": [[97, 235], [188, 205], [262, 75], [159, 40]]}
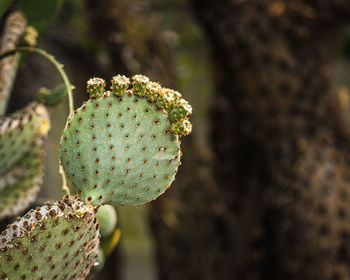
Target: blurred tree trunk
{"points": [[274, 201]]}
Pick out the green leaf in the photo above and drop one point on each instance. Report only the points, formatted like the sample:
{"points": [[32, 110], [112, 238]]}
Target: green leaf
{"points": [[39, 13], [4, 4], [52, 98]]}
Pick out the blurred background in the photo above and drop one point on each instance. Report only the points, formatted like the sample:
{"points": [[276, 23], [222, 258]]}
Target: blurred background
{"points": [[264, 188]]}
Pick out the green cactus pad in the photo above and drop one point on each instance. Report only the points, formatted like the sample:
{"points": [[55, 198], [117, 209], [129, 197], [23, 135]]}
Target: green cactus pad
{"points": [[119, 85], [139, 83], [95, 87], [182, 127], [20, 186], [19, 130], [119, 151], [166, 100], [180, 110], [152, 91], [52, 97], [107, 218], [13, 30], [56, 241]]}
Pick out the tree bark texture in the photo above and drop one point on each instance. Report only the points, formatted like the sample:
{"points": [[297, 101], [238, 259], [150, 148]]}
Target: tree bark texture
{"points": [[274, 202]]}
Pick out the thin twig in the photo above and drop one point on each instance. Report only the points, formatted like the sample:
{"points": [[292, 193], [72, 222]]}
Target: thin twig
{"points": [[64, 183], [58, 66]]}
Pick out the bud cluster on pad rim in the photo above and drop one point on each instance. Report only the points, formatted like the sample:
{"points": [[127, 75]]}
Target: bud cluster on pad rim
{"points": [[119, 147]]}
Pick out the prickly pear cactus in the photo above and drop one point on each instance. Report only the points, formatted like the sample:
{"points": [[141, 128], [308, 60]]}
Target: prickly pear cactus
{"points": [[119, 148], [20, 186], [13, 31], [59, 240], [19, 130]]}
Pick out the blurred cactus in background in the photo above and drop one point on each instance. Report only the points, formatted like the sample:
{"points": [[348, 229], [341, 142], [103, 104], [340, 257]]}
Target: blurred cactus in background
{"points": [[263, 191]]}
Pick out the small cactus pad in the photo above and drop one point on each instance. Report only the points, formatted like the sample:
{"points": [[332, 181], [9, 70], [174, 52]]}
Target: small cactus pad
{"points": [[119, 150], [166, 100], [20, 186], [119, 85], [19, 130], [52, 97], [139, 83], [95, 87], [107, 218], [181, 110], [182, 127], [152, 91], [56, 241]]}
